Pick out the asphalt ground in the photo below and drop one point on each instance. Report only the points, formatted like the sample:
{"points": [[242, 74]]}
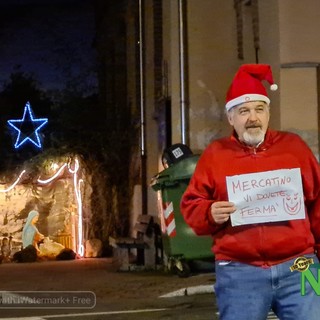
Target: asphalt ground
{"points": [[94, 288], [96, 284]]}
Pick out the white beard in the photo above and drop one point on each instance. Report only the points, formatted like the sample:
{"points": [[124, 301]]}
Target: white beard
{"points": [[253, 139]]}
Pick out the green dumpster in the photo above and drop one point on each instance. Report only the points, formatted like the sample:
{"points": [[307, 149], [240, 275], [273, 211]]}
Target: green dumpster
{"points": [[181, 245]]}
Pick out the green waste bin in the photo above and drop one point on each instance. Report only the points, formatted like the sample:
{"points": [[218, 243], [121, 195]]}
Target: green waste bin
{"points": [[180, 244]]}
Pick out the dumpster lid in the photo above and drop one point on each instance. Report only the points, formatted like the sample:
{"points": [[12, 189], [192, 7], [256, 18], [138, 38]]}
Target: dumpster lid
{"points": [[174, 154], [181, 170]]}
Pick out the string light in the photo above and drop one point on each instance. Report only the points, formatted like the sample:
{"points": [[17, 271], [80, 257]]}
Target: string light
{"points": [[54, 176], [23, 136], [20, 125], [15, 183], [77, 190]]}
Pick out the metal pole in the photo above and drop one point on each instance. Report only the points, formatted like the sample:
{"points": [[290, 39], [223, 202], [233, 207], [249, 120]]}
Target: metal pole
{"points": [[183, 73], [144, 193]]}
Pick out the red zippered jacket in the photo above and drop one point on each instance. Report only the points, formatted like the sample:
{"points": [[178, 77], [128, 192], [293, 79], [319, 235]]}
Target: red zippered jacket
{"points": [[260, 244]]}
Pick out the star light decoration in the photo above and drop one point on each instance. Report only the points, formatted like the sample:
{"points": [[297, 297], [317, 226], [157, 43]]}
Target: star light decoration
{"points": [[22, 126]]}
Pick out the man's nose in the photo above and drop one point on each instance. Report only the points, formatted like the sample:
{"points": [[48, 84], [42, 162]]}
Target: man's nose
{"points": [[253, 115]]}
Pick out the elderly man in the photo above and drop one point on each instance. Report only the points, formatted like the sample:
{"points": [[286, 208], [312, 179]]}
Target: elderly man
{"points": [[257, 249]]}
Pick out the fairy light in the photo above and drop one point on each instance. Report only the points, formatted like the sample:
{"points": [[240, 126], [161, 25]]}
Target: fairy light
{"points": [[77, 191], [76, 167], [15, 183], [80, 237], [18, 125], [54, 176], [54, 166]]}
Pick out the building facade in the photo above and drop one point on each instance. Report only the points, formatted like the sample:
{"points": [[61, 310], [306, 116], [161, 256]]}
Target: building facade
{"points": [[199, 45]]}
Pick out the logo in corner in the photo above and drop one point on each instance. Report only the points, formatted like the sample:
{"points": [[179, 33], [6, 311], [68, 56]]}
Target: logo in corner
{"points": [[301, 264]]}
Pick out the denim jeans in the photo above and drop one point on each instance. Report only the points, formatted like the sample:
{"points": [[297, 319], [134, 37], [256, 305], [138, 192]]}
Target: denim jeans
{"points": [[248, 292]]}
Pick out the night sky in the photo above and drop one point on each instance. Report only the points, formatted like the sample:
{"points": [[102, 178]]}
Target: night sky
{"points": [[51, 39]]}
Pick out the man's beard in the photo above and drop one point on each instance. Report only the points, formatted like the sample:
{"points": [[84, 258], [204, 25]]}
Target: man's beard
{"points": [[253, 139]]}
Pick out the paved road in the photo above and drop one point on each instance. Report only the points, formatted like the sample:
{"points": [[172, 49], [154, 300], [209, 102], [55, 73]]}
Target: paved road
{"points": [[117, 295], [186, 308], [200, 307]]}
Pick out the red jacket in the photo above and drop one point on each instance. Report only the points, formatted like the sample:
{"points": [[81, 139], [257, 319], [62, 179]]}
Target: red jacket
{"points": [[260, 244]]}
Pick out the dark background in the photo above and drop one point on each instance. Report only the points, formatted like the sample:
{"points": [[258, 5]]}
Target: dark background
{"points": [[52, 39], [68, 59]]}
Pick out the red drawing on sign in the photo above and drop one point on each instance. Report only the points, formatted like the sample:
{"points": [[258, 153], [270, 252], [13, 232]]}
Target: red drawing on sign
{"points": [[292, 203]]}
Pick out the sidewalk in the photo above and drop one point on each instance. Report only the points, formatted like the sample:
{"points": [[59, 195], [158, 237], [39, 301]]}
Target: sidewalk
{"points": [[100, 276]]}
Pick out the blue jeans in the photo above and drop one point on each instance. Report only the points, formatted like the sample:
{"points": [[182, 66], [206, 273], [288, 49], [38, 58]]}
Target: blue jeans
{"points": [[247, 292]]}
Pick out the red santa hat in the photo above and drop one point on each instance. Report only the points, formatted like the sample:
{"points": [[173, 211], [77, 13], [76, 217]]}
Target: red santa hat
{"points": [[247, 85]]}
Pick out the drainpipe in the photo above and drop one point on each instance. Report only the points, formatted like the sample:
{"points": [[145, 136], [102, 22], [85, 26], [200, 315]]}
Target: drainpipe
{"points": [[184, 104], [143, 151]]}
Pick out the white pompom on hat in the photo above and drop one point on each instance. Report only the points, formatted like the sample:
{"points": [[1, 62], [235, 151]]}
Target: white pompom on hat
{"points": [[247, 85]]}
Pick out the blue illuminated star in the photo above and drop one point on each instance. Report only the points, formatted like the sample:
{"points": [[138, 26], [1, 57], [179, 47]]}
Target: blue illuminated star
{"points": [[28, 127]]}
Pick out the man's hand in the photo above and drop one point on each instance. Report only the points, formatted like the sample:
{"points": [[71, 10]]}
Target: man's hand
{"points": [[221, 211]]}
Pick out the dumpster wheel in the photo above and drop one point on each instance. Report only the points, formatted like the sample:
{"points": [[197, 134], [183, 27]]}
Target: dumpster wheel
{"points": [[181, 268]]}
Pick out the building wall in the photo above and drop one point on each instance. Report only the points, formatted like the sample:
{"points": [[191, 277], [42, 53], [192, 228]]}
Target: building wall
{"points": [[287, 34], [212, 60], [299, 25], [299, 59], [151, 125], [269, 52], [217, 44], [212, 51]]}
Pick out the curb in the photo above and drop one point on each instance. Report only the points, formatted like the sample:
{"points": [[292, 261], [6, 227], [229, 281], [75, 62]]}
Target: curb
{"points": [[190, 291]]}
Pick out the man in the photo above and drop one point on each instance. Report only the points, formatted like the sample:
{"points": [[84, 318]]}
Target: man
{"points": [[271, 222]]}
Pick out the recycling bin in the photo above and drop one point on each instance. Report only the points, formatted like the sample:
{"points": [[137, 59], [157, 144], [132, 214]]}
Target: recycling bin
{"points": [[180, 244]]}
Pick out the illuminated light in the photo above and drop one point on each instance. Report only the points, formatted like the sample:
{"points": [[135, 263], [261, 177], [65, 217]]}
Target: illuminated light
{"points": [[20, 125], [55, 166], [76, 167], [54, 176], [14, 184], [77, 190], [81, 250]]}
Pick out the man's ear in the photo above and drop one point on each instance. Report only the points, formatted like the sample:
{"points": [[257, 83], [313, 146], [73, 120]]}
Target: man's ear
{"points": [[230, 117]]}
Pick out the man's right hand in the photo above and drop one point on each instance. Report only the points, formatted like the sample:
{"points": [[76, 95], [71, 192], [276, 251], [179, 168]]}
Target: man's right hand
{"points": [[221, 211]]}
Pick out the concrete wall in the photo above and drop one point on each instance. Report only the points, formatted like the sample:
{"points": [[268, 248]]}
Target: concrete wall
{"points": [[299, 58], [288, 41], [213, 60], [287, 34], [299, 24], [299, 101]]}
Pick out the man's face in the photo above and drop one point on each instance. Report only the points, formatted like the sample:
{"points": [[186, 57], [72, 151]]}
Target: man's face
{"points": [[250, 120]]}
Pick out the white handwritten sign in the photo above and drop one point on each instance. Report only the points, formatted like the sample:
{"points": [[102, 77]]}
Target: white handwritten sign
{"points": [[266, 196]]}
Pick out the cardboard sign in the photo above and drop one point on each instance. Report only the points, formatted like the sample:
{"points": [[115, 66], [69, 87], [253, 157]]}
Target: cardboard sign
{"points": [[266, 196]]}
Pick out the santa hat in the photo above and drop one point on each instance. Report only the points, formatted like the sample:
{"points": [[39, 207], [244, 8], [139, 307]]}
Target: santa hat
{"points": [[247, 85]]}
